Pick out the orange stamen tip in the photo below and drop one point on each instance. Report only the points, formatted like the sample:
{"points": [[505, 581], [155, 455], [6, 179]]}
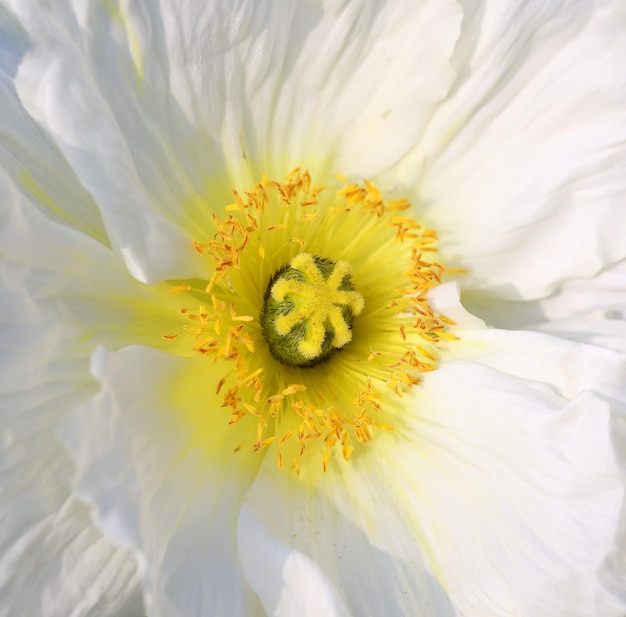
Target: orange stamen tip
{"points": [[242, 251]]}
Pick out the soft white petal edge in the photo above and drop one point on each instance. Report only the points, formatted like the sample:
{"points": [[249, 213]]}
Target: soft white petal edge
{"points": [[39, 170], [586, 310], [304, 588], [305, 554]]}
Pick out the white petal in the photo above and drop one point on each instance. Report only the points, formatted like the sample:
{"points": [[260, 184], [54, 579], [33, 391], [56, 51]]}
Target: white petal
{"points": [[157, 489], [37, 167], [53, 561], [71, 280], [63, 567], [568, 367], [76, 278], [361, 81], [295, 83], [503, 479], [586, 310], [590, 311], [344, 545], [517, 492], [153, 103], [522, 170], [62, 89], [287, 581], [520, 432]]}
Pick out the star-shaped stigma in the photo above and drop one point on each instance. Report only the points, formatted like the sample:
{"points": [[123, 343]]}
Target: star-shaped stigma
{"points": [[310, 306]]}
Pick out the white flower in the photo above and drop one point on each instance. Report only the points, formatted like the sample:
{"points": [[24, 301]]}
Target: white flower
{"points": [[434, 466]]}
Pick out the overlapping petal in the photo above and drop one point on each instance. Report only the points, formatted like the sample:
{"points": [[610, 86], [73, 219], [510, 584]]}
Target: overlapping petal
{"points": [[586, 310], [475, 161], [157, 490], [77, 281], [28, 154], [506, 480], [521, 169], [104, 80], [53, 560], [501, 491]]}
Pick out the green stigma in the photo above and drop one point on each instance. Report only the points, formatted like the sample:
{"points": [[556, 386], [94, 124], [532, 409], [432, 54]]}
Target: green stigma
{"points": [[308, 310]]}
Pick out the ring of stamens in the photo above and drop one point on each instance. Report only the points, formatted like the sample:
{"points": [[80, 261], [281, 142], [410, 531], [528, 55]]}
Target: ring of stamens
{"points": [[309, 413]]}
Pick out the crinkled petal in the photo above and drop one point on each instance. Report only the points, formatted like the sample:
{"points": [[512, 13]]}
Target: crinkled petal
{"points": [[551, 413], [157, 105], [61, 87], [63, 567], [522, 169], [53, 561], [157, 487], [286, 78], [523, 492], [75, 283], [504, 479]]}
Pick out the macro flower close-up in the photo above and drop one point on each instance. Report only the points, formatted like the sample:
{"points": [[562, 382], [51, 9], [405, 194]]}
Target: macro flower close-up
{"points": [[313, 307]]}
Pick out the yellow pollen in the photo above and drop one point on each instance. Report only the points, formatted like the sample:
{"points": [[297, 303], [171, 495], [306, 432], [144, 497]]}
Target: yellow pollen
{"points": [[310, 354]]}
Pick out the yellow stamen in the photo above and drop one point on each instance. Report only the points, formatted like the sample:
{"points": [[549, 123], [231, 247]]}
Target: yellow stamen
{"points": [[176, 289], [387, 334]]}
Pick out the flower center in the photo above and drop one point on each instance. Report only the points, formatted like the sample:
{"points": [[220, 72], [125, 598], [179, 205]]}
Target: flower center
{"points": [[308, 310], [279, 302]]}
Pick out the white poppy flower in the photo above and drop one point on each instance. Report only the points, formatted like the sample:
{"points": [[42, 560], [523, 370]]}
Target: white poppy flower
{"points": [[232, 235]]}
